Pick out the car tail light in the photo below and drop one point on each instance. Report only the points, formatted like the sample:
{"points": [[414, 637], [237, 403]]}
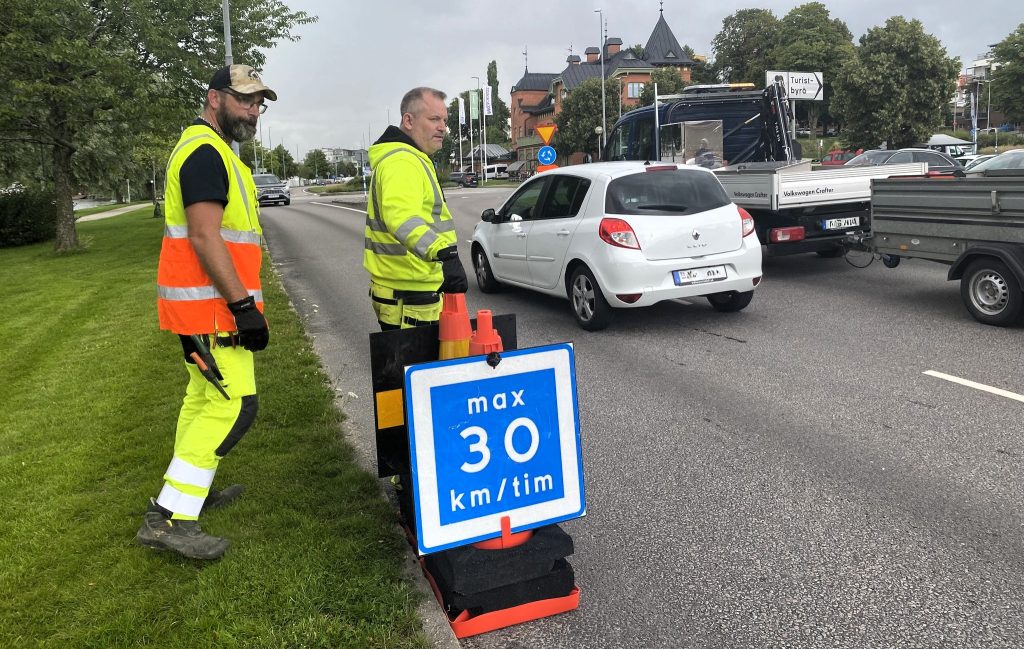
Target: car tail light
{"points": [[628, 298], [779, 235], [617, 232], [746, 220]]}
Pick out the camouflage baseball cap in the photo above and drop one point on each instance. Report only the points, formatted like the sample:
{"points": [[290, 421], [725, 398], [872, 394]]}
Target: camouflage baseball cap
{"points": [[242, 79]]}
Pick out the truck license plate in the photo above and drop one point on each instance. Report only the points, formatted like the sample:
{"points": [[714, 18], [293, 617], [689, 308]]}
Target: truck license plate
{"points": [[839, 224], [699, 275]]}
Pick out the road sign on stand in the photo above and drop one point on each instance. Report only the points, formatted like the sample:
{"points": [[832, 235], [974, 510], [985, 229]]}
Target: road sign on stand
{"points": [[545, 133], [799, 85], [487, 443], [546, 155]]}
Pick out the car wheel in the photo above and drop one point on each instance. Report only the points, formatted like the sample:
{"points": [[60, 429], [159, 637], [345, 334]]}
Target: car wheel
{"points": [[484, 277], [588, 304], [730, 300], [991, 292], [288, 202]]}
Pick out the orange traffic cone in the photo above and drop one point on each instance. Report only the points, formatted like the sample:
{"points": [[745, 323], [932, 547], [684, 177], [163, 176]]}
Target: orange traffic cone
{"points": [[485, 339], [455, 329]]}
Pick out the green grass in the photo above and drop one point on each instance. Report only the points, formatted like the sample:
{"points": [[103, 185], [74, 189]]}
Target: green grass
{"points": [[105, 208], [91, 391]]}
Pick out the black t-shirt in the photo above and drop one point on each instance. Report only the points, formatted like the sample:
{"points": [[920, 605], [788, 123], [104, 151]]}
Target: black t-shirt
{"points": [[203, 176]]}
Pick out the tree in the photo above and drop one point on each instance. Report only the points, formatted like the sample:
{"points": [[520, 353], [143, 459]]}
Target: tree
{"points": [[668, 80], [745, 48], [581, 113], [811, 41], [1008, 80], [284, 164], [75, 71], [701, 71], [497, 124], [315, 165], [894, 88]]}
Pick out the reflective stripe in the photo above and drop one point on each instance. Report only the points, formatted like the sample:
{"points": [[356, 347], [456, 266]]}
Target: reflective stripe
{"points": [[179, 502], [187, 293], [424, 243], [241, 190], [375, 225], [437, 190], [233, 236], [240, 236], [406, 228], [181, 471], [395, 249]]}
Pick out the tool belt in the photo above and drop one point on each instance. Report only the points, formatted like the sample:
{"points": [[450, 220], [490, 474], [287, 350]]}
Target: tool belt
{"points": [[412, 298]]}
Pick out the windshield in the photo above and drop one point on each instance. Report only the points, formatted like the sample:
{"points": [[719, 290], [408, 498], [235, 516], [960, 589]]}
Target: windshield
{"points": [[266, 179], [1008, 160], [674, 191], [870, 158]]}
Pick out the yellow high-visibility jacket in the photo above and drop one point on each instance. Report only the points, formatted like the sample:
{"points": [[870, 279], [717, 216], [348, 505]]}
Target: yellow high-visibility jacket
{"points": [[407, 220]]}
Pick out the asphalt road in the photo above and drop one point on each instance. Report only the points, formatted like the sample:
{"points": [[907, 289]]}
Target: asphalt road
{"points": [[786, 476]]}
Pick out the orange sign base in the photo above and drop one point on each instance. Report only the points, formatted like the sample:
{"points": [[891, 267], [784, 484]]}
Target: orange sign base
{"points": [[541, 168]]}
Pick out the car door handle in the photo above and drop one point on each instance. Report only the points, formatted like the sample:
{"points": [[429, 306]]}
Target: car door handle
{"points": [[563, 233]]}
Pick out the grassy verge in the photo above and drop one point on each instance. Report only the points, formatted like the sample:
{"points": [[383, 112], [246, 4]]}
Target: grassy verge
{"points": [[92, 391]]}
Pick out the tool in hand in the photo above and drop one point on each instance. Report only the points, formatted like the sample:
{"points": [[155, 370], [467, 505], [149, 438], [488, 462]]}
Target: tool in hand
{"points": [[208, 366]]}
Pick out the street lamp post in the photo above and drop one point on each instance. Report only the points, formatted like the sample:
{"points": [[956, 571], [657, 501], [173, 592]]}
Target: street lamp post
{"points": [[600, 33]]}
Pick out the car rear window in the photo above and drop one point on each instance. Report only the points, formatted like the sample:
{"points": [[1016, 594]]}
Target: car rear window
{"points": [[678, 191]]}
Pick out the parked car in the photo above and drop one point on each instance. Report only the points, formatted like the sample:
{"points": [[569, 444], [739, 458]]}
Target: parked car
{"points": [[271, 189], [937, 161], [1012, 159], [838, 157], [463, 178], [618, 235]]}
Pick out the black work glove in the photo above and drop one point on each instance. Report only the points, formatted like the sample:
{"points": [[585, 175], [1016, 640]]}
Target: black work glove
{"points": [[454, 274], [253, 332]]}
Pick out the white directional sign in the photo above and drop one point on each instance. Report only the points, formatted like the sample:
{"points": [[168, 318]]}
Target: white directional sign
{"points": [[799, 85], [486, 443]]}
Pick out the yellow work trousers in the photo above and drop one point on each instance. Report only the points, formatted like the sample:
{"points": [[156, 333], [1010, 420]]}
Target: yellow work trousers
{"points": [[404, 309], [208, 427]]}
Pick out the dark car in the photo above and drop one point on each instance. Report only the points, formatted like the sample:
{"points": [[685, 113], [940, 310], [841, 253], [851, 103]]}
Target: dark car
{"points": [[463, 178], [938, 162], [271, 189]]}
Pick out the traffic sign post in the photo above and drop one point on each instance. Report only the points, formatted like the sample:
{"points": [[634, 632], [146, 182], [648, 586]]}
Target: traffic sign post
{"points": [[799, 85], [546, 155], [488, 443]]}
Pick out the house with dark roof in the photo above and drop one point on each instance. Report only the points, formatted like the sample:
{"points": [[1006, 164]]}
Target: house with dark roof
{"points": [[537, 97]]}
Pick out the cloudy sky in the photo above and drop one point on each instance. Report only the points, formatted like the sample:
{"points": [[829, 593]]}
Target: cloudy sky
{"points": [[338, 83]]}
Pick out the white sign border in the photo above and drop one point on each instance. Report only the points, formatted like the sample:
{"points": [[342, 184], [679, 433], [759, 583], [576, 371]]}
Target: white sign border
{"points": [[431, 535]]}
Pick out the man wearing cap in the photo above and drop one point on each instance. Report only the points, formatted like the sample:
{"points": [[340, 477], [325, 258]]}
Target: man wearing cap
{"points": [[209, 293], [410, 239]]}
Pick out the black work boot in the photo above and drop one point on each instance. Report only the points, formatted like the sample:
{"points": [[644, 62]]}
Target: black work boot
{"points": [[223, 497], [184, 537]]}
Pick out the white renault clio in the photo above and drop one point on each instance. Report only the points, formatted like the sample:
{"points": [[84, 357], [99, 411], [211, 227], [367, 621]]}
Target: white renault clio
{"points": [[620, 235]]}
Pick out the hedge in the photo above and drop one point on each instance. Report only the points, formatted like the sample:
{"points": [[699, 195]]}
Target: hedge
{"points": [[26, 216]]}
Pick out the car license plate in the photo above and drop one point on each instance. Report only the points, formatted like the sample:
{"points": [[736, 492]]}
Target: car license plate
{"points": [[699, 275], [839, 224]]}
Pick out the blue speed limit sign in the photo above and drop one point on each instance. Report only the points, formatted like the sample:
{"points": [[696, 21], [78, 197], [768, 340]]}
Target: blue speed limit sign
{"points": [[492, 442], [546, 155]]}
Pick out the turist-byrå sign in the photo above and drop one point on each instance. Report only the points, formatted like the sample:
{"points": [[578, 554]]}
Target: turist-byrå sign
{"points": [[488, 442]]}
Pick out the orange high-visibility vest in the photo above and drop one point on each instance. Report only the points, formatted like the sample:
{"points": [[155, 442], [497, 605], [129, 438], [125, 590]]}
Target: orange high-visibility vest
{"points": [[187, 300]]}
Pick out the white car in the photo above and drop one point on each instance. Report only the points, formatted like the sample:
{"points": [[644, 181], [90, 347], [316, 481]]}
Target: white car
{"points": [[620, 235]]}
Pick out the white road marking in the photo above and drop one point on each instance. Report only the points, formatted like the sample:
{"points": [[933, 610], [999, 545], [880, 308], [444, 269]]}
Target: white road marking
{"points": [[350, 209], [977, 386]]}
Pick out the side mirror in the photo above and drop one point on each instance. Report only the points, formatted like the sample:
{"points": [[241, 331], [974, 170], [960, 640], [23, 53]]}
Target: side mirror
{"points": [[488, 215]]}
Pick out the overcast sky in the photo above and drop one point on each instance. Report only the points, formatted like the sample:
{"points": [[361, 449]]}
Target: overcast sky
{"points": [[338, 82]]}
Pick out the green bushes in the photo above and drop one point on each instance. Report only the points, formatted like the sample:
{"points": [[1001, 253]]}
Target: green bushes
{"points": [[26, 216]]}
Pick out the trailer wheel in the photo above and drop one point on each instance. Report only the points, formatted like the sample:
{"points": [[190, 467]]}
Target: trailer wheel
{"points": [[991, 292], [891, 261]]}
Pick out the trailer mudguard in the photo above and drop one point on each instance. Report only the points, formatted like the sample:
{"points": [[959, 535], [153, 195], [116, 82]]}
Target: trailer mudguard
{"points": [[1011, 254]]}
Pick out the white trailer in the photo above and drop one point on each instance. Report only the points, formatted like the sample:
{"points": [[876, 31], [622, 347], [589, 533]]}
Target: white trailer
{"points": [[797, 209]]}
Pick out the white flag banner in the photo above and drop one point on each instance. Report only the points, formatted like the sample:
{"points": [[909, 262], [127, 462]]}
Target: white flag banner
{"points": [[474, 105], [488, 108], [462, 111]]}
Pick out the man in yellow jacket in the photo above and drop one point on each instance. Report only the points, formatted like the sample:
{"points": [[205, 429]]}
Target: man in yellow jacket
{"points": [[209, 293], [410, 240]]}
